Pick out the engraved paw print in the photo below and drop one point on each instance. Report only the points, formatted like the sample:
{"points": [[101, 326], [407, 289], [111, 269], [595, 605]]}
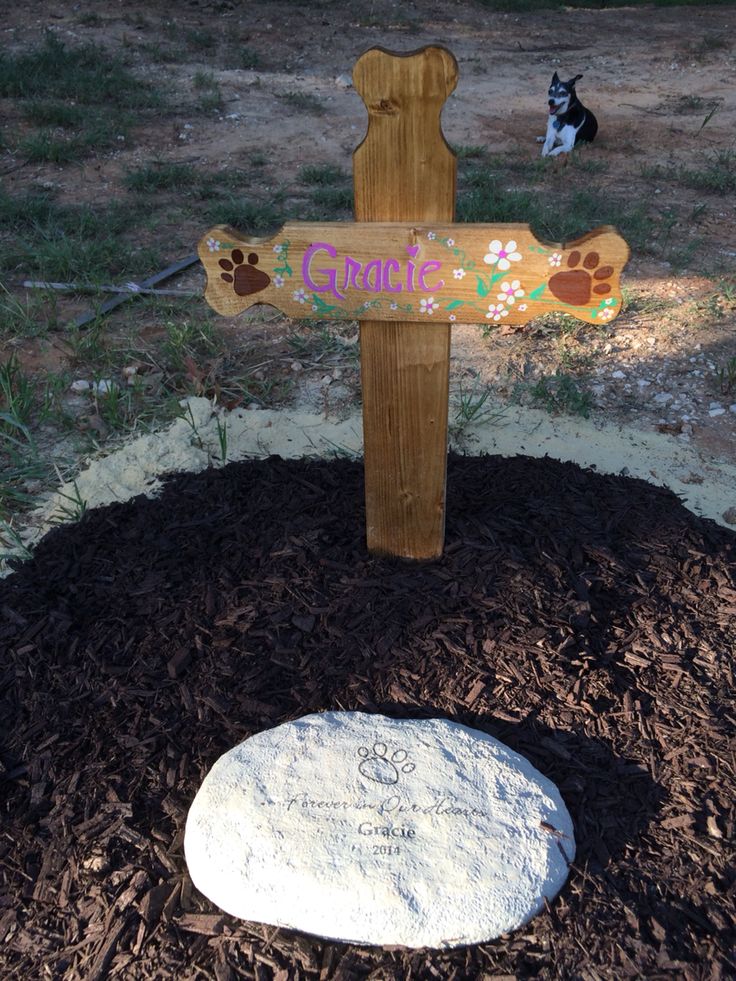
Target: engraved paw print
{"points": [[377, 766], [577, 285], [246, 279]]}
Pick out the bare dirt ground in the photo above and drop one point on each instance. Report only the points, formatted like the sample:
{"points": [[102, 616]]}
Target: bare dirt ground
{"points": [[661, 81]]}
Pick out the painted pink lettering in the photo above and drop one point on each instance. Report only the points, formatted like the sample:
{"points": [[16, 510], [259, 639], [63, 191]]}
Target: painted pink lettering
{"points": [[352, 270], [389, 266], [372, 276], [425, 270], [331, 284]]}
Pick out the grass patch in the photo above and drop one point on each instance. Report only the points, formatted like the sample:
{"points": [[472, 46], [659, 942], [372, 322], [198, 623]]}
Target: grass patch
{"points": [[27, 317], [331, 201], [717, 176], [257, 218], [322, 176], [156, 176], [304, 102], [87, 74], [559, 218], [71, 242]]}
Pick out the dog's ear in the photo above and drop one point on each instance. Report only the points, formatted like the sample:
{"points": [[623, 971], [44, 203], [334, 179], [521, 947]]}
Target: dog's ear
{"points": [[555, 78], [572, 81]]}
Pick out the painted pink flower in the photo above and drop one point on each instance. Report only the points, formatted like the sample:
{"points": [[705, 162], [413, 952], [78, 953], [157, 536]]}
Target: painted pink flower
{"points": [[429, 305], [502, 255], [300, 296], [496, 311], [510, 291]]}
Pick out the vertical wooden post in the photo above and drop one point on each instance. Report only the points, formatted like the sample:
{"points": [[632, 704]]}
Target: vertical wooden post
{"points": [[405, 171]]}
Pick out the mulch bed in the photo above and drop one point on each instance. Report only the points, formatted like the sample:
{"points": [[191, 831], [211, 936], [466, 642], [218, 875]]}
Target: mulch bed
{"points": [[588, 621]]}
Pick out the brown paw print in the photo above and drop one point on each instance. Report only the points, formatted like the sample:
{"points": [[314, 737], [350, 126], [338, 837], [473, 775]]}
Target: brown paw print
{"points": [[576, 286], [246, 279]]}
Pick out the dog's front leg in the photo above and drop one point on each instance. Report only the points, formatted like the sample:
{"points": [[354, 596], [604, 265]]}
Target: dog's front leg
{"points": [[566, 136], [549, 140]]}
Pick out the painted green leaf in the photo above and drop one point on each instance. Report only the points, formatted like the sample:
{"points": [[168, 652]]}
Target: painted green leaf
{"points": [[454, 305], [321, 305], [535, 294], [483, 290]]}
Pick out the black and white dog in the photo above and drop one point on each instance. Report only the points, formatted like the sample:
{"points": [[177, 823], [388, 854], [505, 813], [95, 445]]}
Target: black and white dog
{"points": [[569, 121]]}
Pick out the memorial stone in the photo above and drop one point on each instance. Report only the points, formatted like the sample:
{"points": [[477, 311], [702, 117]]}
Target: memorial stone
{"points": [[373, 830]]}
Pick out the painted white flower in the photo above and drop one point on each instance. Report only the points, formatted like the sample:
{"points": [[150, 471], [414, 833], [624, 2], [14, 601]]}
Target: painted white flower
{"points": [[431, 236], [522, 306], [450, 242], [496, 311], [510, 291], [555, 259], [278, 282], [458, 273], [502, 255], [428, 305], [393, 306], [278, 249], [606, 313], [213, 245], [300, 296], [609, 301], [452, 317]]}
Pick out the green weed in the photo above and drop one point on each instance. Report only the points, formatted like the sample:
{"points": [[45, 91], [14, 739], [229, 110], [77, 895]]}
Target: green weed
{"points": [[17, 396], [75, 510], [561, 394], [726, 376]]}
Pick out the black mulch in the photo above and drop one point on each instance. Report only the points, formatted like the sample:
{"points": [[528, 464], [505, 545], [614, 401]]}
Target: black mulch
{"points": [[588, 621]]}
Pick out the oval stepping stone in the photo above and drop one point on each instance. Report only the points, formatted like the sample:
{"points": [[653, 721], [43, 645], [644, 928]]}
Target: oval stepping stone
{"points": [[373, 830]]}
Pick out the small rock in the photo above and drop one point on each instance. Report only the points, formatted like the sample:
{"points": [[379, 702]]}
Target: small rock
{"points": [[730, 516], [732, 408], [618, 374], [103, 387], [720, 411], [344, 81], [297, 366], [337, 373], [325, 381], [663, 397], [643, 383], [80, 385], [651, 341]]}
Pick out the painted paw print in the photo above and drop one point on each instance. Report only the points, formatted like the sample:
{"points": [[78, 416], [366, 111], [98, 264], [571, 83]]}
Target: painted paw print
{"points": [[246, 279], [377, 766], [577, 285]]}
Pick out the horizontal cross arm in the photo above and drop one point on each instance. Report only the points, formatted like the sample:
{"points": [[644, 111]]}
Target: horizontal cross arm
{"points": [[410, 272]]}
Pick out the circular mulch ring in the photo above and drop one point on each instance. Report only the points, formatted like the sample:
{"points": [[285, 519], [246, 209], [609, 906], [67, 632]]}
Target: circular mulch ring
{"points": [[588, 621]]}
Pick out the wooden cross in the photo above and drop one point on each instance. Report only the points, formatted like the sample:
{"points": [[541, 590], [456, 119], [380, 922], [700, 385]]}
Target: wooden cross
{"points": [[406, 271]]}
